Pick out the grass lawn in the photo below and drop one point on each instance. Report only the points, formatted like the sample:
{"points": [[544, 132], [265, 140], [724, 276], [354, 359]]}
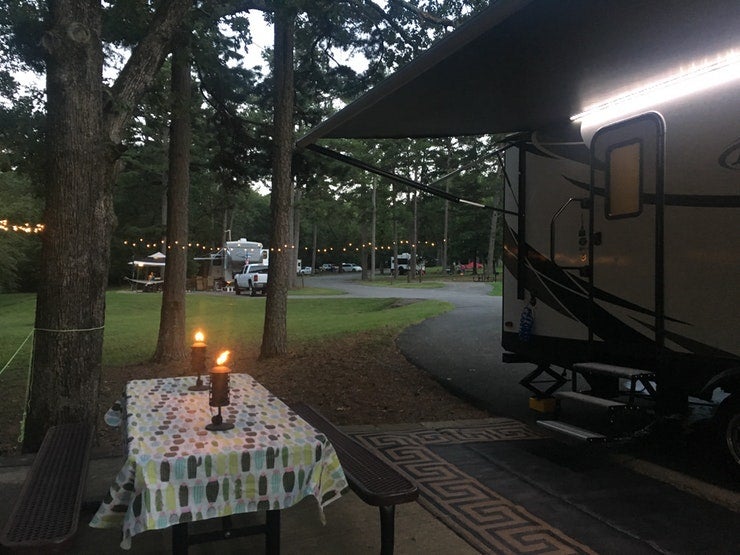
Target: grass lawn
{"points": [[132, 321], [229, 322]]}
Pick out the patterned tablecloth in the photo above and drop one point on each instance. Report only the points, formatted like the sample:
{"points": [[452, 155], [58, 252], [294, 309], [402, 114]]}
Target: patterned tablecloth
{"points": [[177, 471]]}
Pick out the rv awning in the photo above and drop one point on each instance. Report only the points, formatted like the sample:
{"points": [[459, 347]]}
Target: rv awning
{"points": [[521, 65]]}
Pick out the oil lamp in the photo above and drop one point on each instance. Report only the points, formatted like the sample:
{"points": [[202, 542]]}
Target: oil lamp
{"points": [[218, 395], [198, 361]]}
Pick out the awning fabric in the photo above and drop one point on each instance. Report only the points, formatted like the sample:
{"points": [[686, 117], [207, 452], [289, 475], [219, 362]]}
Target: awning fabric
{"points": [[521, 65]]}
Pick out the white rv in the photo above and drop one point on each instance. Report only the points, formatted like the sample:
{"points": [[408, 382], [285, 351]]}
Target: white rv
{"points": [[403, 264], [620, 135], [220, 267], [621, 258]]}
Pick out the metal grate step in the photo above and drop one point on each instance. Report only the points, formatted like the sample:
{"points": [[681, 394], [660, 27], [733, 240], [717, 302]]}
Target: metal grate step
{"points": [[591, 400], [611, 370], [572, 431]]}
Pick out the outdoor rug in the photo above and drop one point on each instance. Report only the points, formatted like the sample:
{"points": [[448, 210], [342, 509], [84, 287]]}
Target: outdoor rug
{"points": [[487, 520], [504, 488]]}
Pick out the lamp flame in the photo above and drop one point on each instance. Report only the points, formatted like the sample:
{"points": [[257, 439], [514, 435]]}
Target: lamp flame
{"points": [[222, 358], [199, 336]]}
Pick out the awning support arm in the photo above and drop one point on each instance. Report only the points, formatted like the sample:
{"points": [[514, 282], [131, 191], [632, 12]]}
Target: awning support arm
{"points": [[399, 178]]}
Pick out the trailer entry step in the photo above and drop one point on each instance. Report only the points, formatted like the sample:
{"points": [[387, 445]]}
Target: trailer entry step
{"points": [[589, 400], [572, 431], [610, 370]]}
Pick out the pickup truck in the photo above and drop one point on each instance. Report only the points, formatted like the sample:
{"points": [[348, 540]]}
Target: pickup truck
{"points": [[252, 278]]}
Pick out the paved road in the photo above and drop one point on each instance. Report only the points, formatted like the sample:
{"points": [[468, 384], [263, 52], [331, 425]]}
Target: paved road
{"points": [[462, 349]]}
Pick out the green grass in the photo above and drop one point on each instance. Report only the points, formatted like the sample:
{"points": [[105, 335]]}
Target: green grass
{"points": [[324, 291], [387, 281], [429, 281], [132, 321]]}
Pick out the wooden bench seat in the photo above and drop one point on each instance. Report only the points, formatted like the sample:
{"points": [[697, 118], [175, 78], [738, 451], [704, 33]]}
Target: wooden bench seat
{"points": [[372, 479], [47, 510]]}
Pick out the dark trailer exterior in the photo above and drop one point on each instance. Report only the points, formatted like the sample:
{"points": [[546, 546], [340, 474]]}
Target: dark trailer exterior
{"points": [[622, 218]]}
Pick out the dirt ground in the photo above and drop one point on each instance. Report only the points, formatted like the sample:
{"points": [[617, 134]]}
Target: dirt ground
{"points": [[358, 379]]}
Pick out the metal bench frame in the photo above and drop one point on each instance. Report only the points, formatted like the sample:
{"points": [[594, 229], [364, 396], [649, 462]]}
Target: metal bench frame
{"points": [[372, 479]]}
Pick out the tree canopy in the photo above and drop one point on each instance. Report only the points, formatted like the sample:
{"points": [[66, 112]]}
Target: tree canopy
{"points": [[95, 149]]}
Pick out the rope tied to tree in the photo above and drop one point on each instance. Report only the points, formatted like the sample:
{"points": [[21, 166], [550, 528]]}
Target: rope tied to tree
{"points": [[30, 365], [69, 331]]}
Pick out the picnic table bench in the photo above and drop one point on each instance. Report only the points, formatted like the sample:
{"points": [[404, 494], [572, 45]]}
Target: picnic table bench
{"points": [[372, 479], [47, 510]]}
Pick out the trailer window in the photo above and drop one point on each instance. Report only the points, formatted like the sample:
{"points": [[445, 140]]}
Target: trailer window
{"points": [[624, 180]]}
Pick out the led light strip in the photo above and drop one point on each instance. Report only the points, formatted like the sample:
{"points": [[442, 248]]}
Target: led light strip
{"points": [[696, 78]]}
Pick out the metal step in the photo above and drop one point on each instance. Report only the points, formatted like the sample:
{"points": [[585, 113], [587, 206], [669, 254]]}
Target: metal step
{"points": [[610, 370], [591, 400], [572, 431]]}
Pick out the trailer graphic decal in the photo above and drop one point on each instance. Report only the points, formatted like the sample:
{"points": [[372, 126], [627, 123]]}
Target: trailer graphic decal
{"points": [[568, 295]]}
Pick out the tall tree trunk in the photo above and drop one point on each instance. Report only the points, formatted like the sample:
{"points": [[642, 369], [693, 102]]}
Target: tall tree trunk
{"points": [[275, 333], [314, 245], [83, 136], [491, 261], [70, 307], [295, 233], [171, 340], [373, 231], [414, 236]]}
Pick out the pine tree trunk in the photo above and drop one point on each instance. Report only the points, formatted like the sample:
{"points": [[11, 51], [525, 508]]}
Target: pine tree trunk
{"points": [[491, 262], [70, 307], [374, 229], [295, 233], [275, 333], [171, 342], [83, 138]]}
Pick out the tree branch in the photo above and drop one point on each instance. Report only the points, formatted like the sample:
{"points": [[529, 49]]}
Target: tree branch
{"points": [[218, 9], [144, 63], [424, 15]]}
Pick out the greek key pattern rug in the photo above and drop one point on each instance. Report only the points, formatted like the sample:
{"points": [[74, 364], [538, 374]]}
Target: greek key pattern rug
{"points": [[485, 519]]}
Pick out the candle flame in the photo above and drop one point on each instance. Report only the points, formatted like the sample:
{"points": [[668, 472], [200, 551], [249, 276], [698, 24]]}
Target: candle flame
{"points": [[199, 336], [222, 358]]}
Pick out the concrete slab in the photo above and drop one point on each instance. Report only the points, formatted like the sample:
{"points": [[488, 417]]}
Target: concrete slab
{"points": [[351, 525]]}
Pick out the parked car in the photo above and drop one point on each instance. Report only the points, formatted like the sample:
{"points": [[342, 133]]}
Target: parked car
{"points": [[347, 267], [327, 267], [306, 270]]}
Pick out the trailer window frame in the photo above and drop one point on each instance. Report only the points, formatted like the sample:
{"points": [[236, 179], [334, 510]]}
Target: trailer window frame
{"points": [[638, 190]]}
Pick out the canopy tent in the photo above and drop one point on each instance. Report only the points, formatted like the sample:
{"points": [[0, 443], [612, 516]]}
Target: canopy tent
{"points": [[140, 279], [521, 65], [156, 260]]}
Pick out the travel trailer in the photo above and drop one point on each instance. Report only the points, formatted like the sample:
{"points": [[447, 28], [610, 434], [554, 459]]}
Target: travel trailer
{"points": [[620, 136], [147, 273], [218, 268]]}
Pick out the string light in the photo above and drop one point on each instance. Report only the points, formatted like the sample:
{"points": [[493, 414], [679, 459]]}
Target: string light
{"points": [[5, 225], [349, 247]]}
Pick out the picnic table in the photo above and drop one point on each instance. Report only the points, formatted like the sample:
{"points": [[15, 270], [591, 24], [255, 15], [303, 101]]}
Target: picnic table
{"points": [[176, 471]]}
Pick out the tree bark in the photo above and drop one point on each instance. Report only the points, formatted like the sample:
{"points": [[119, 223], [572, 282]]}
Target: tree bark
{"points": [[70, 306], [82, 148], [491, 261], [275, 332], [295, 234], [373, 230], [414, 236], [171, 344]]}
